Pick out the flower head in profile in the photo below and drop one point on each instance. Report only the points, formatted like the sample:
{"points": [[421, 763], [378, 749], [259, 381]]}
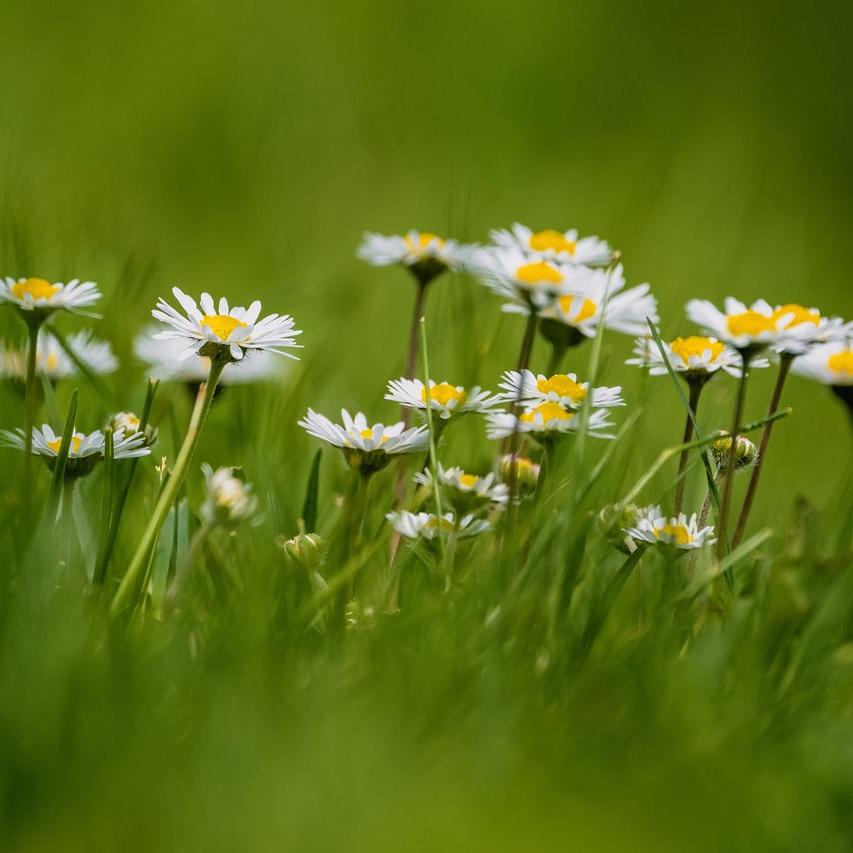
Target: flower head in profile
{"points": [[39, 296], [469, 490], [228, 498], [523, 279], [426, 255], [531, 389], [164, 360], [425, 525], [366, 448], [444, 398], [53, 362], [562, 246], [222, 331], [830, 364], [546, 422], [84, 450], [128, 423], [684, 534], [803, 328]]}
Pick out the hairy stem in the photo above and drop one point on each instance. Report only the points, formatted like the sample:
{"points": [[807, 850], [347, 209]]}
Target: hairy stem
{"points": [[693, 403]]}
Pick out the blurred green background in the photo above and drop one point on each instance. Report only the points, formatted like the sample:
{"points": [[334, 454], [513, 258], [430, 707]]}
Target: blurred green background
{"points": [[243, 148]]}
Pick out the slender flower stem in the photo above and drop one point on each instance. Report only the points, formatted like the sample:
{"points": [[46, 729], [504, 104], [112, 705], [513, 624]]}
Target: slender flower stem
{"points": [[785, 362], [33, 326], [728, 482], [127, 590], [412, 351], [433, 437], [693, 403]]}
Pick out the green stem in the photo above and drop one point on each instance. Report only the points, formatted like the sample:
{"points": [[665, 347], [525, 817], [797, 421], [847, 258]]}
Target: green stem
{"points": [[33, 325], [127, 590], [693, 403], [106, 506], [784, 368], [433, 455], [558, 350], [728, 482]]}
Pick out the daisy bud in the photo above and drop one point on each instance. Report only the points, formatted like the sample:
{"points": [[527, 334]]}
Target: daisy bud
{"points": [[229, 497], [129, 424], [306, 549], [613, 524], [526, 471], [746, 453]]}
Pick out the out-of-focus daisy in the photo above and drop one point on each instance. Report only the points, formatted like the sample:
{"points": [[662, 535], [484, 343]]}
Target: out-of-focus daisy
{"points": [[53, 362], [530, 389], [425, 525], [830, 364], [40, 296], [468, 489], [524, 471], [128, 423], [744, 328], [562, 246], [223, 331], [546, 422], [802, 328], [654, 527], [163, 360], [84, 450], [366, 448], [523, 279], [426, 255], [229, 497], [444, 398]]}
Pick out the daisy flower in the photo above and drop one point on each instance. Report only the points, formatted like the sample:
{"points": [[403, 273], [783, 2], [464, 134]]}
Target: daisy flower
{"points": [[545, 422], [562, 246], [84, 450], [425, 525], [830, 364], [222, 330], [53, 362], [563, 388], [229, 497], [162, 362], [695, 357], [426, 255], [38, 295], [741, 327], [366, 448], [802, 328], [467, 487], [444, 398], [654, 527]]}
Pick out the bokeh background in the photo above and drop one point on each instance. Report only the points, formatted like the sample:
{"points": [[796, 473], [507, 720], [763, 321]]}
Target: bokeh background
{"points": [[245, 147]]}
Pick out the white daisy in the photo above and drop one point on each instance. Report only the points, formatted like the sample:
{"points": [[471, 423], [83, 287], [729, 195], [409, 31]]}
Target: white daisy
{"points": [[163, 362], [425, 525], [446, 399], [546, 422], [38, 294], [485, 489], [53, 362], [531, 389], [229, 497], [367, 448], [740, 327], [694, 356], [802, 328], [562, 246], [236, 329], [654, 527], [427, 255], [830, 364]]}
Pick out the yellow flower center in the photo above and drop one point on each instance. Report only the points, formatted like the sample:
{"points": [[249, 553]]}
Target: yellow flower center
{"points": [[684, 348], [799, 314], [841, 362], [542, 241], [444, 393], [750, 323], [76, 441], [586, 310], [678, 532], [563, 386], [421, 242], [436, 523], [222, 325], [539, 272], [38, 288], [368, 433], [51, 362], [468, 480], [549, 412]]}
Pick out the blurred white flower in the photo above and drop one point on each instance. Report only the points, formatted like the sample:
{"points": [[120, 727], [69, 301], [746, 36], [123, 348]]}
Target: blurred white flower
{"points": [[546, 421], [39, 295], [53, 362], [229, 497], [531, 389], [654, 527], [562, 246], [425, 525], [445, 399]]}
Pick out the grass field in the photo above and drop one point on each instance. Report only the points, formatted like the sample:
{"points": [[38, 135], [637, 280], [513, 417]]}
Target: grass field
{"points": [[517, 700]]}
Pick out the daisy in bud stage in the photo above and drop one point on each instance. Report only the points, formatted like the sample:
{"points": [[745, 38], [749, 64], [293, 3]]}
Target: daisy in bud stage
{"points": [[425, 525], [746, 453], [546, 422], [54, 362], [467, 491], [39, 297], [681, 533], [523, 471], [531, 389], [562, 246], [366, 448], [830, 364], [129, 424], [229, 499], [445, 399]]}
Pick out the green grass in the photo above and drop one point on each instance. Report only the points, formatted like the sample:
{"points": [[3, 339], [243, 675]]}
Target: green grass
{"points": [[244, 150]]}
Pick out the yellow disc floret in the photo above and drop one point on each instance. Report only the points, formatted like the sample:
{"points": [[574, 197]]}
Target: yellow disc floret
{"points": [[222, 325], [695, 345], [76, 441], [563, 386], [549, 239], [444, 393], [587, 308], [841, 362], [750, 323], [548, 412], [539, 272], [39, 289], [677, 532], [368, 433], [422, 242], [439, 523], [798, 315], [468, 481]]}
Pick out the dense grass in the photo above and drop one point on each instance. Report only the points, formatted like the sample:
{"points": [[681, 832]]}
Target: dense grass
{"points": [[244, 149]]}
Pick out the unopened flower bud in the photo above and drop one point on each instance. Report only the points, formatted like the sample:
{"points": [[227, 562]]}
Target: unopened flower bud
{"points": [[306, 549], [525, 471], [129, 424], [614, 520], [746, 452]]}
